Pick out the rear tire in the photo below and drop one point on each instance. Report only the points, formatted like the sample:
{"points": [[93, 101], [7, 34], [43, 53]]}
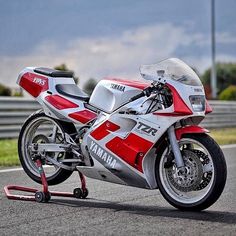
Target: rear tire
{"points": [[26, 161], [214, 187]]}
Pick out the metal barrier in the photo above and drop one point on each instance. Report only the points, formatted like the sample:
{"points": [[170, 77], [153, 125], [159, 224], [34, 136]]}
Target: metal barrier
{"points": [[14, 111], [223, 115]]}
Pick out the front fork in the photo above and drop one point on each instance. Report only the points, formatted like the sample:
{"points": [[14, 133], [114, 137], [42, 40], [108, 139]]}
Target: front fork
{"points": [[175, 147]]}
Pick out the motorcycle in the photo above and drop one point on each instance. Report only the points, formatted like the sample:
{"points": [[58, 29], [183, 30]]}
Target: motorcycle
{"points": [[140, 134]]}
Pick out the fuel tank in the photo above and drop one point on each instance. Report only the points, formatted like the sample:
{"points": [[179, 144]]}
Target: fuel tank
{"points": [[111, 93]]}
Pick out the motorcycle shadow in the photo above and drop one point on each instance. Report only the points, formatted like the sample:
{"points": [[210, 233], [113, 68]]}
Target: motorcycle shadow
{"points": [[155, 211]]}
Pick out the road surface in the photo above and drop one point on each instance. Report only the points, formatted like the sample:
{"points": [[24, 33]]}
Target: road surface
{"points": [[115, 210]]}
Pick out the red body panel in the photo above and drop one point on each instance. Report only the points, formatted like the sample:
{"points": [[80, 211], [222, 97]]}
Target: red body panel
{"points": [[59, 102], [208, 108], [83, 116], [180, 106], [34, 84], [188, 130], [104, 129], [131, 149]]}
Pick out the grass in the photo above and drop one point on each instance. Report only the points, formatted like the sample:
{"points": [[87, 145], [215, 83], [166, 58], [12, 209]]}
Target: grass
{"points": [[9, 156], [224, 136], [8, 152]]}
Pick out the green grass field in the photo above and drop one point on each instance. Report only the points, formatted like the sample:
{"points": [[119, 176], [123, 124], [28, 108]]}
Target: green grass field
{"points": [[8, 152], [224, 136], [9, 157]]}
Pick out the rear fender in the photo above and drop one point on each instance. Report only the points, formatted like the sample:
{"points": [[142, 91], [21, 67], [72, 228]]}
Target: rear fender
{"points": [[193, 129]]}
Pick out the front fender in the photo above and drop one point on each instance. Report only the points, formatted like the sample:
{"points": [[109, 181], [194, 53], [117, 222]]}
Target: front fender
{"points": [[189, 130]]}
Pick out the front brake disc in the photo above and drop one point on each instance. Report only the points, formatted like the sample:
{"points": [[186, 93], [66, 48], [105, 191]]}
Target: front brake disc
{"points": [[191, 178]]}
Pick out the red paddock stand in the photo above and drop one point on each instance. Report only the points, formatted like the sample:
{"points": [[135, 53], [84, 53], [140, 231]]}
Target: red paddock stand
{"points": [[45, 195]]}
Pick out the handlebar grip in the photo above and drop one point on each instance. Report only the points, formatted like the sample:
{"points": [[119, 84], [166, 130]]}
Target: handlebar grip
{"points": [[146, 92], [142, 94]]}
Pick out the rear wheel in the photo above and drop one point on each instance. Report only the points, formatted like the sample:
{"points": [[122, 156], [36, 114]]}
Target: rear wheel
{"points": [[203, 179], [39, 128]]}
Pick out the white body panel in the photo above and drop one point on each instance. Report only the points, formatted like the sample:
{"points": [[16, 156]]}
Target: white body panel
{"points": [[109, 95]]}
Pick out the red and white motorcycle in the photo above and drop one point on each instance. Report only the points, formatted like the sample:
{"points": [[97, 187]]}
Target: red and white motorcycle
{"points": [[139, 134]]}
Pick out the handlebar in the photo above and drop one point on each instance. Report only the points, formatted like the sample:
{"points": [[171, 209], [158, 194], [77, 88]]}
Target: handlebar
{"points": [[146, 92]]}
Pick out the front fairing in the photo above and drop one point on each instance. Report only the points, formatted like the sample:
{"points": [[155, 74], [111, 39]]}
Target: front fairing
{"points": [[181, 80]]}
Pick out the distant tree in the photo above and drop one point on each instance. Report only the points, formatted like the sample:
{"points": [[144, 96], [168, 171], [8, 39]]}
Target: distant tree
{"points": [[228, 94], [63, 67], [226, 76], [4, 91], [90, 85], [18, 94]]}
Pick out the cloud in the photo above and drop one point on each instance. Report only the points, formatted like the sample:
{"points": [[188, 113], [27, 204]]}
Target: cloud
{"points": [[119, 55], [220, 37], [225, 38]]}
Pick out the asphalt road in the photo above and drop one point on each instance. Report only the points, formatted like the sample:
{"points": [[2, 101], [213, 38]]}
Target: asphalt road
{"points": [[115, 210]]}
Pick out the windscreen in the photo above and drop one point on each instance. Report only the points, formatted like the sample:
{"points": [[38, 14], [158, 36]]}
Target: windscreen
{"points": [[173, 68]]}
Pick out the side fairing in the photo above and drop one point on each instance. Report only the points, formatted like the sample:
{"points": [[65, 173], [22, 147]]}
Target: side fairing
{"points": [[123, 145]]}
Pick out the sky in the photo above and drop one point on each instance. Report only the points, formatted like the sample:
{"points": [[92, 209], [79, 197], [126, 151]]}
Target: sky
{"points": [[111, 37]]}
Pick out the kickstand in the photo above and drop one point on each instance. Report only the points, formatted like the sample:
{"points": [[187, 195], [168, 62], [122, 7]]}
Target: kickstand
{"points": [[45, 194]]}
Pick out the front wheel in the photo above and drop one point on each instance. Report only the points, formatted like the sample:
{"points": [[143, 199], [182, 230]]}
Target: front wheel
{"points": [[204, 176]]}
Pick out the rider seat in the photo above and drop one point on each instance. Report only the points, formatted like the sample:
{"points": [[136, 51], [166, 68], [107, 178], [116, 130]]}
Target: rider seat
{"points": [[73, 91]]}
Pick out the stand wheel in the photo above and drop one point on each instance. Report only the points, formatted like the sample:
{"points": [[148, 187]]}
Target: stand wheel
{"points": [[77, 193], [40, 196], [85, 193]]}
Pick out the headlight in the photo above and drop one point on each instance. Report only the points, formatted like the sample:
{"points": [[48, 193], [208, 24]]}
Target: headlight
{"points": [[197, 102]]}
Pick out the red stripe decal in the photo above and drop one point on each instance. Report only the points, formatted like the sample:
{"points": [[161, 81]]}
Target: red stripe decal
{"points": [[104, 129], [179, 105], [34, 84], [131, 149], [83, 116], [131, 83], [59, 102]]}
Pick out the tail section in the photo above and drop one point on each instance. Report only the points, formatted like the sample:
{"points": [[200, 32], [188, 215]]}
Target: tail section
{"points": [[58, 94]]}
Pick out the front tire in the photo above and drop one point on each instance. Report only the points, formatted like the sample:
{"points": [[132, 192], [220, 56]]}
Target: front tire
{"points": [[204, 178]]}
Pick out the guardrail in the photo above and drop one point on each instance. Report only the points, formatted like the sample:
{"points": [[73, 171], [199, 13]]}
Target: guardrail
{"points": [[223, 115], [14, 111]]}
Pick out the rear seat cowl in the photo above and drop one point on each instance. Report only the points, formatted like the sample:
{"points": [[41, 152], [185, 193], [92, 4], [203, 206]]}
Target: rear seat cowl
{"points": [[54, 73]]}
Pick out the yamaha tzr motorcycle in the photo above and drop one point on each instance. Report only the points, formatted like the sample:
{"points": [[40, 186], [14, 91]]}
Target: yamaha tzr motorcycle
{"points": [[141, 134]]}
